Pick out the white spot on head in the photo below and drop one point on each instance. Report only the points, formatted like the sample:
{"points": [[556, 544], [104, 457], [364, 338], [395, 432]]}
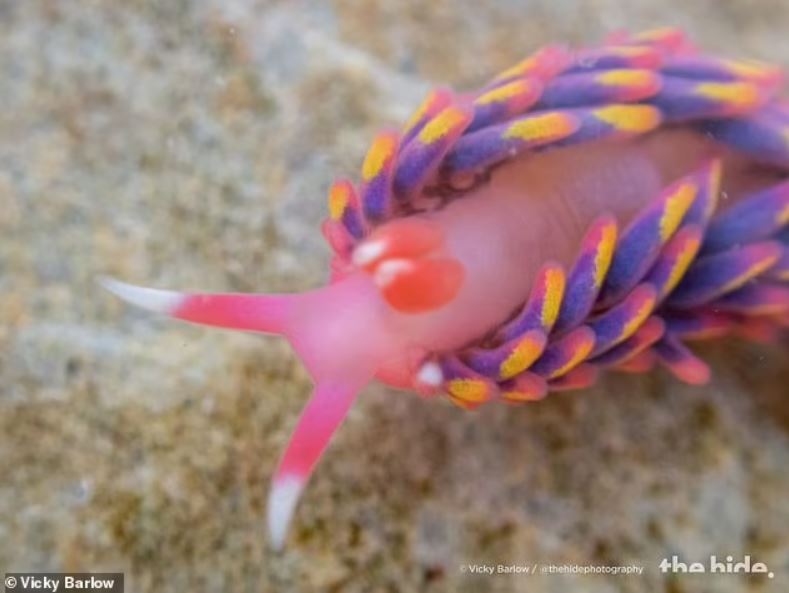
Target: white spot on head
{"points": [[282, 501], [368, 252], [152, 299], [389, 270], [430, 374]]}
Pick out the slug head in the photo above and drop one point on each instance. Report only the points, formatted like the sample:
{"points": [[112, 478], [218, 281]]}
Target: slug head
{"points": [[345, 333]]}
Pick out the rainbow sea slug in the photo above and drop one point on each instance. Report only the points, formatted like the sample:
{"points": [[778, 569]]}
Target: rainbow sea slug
{"points": [[585, 210]]}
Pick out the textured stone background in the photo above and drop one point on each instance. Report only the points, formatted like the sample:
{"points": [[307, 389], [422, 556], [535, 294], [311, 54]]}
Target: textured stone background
{"points": [[190, 144]]}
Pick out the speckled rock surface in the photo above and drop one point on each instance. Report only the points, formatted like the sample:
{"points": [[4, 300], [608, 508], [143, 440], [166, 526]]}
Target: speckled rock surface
{"points": [[190, 144]]}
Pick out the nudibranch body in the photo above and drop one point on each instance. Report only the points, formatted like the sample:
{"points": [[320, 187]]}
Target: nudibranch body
{"points": [[515, 241]]}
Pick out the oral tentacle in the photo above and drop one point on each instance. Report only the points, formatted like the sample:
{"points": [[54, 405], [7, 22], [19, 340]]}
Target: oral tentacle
{"points": [[247, 312], [320, 419]]}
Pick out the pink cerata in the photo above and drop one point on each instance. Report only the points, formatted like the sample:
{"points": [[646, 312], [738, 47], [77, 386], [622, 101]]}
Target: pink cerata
{"points": [[564, 219]]}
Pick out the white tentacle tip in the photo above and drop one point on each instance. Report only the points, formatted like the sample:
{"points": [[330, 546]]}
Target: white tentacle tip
{"points": [[389, 270], [151, 299], [367, 252], [430, 375], [282, 501]]}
